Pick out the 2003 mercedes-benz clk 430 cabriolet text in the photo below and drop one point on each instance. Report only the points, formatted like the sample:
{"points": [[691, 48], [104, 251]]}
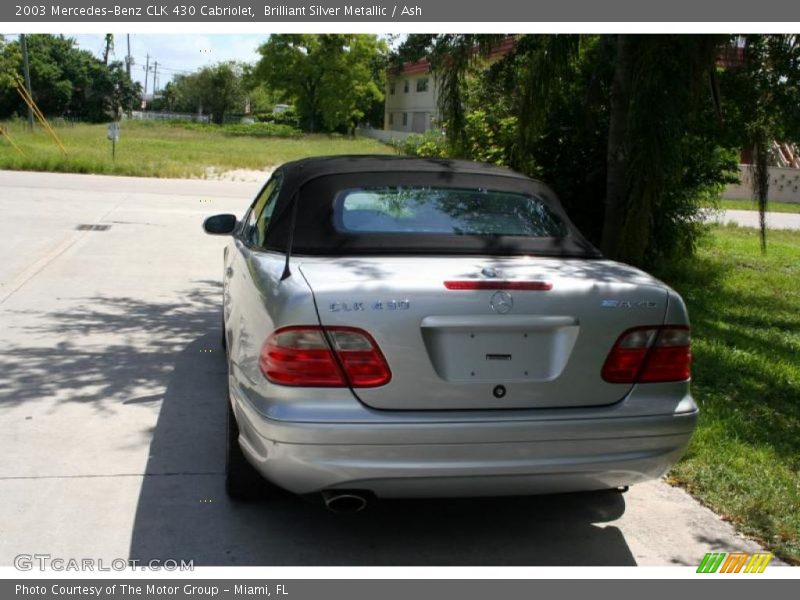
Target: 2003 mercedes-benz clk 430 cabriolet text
{"points": [[416, 328]]}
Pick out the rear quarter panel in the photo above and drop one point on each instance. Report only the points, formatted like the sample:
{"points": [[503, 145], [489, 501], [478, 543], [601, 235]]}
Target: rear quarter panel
{"points": [[256, 302]]}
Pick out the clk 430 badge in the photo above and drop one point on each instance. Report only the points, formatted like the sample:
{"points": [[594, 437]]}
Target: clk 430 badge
{"points": [[363, 306], [628, 304]]}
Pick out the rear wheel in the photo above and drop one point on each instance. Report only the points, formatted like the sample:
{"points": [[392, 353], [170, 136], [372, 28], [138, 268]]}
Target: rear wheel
{"points": [[242, 481]]}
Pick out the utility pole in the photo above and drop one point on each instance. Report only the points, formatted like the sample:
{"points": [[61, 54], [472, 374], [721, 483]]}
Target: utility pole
{"points": [[27, 71], [146, 77], [155, 79], [128, 58]]}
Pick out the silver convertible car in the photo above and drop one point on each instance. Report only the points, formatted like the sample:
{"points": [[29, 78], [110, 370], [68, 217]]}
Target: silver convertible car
{"points": [[415, 328]]}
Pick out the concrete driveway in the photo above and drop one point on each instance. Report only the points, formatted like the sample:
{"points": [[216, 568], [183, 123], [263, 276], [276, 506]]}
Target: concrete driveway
{"points": [[112, 406]]}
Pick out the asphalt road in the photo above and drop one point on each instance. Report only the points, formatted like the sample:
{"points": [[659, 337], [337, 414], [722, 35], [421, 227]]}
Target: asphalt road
{"points": [[749, 218], [112, 406]]}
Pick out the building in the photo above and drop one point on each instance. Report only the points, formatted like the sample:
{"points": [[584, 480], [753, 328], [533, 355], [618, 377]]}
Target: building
{"points": [[411, 94], [411, 98]]}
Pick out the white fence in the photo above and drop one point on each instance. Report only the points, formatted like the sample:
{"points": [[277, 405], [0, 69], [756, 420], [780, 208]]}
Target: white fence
{"points": [[152, 115], [784, 185], [383, 135]]}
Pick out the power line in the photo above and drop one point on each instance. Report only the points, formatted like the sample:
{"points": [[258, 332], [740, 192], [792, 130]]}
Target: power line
{"points": [[161, 67], [172, 70]]}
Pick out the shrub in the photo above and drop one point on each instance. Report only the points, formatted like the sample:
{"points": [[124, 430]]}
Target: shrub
{"points": [[241, 129], [285, 117], [431, 144]]}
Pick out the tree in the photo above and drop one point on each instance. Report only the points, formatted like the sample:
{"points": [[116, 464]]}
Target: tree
{"points": [[413, 48], [9, 64], [761, 97], [111, 92], [333, 80], [660, 84], [182, 94], [69, 82], [261, 98], [221, 88], [215, 90], [109, 47], [167, 99], [647, 114]]}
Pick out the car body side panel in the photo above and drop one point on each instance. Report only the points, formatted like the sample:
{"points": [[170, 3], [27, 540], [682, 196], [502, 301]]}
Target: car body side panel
{"points": [[676, 309], [256, 303]]}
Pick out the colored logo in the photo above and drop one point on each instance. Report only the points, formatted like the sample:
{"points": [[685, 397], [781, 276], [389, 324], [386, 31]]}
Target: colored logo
{"points": [[734, 562]]}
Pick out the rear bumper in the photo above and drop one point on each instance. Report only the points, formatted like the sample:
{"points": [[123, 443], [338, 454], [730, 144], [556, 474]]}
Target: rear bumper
{"points": [[441, 454]]}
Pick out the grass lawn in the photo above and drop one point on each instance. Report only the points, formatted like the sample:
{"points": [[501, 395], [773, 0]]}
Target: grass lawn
{"points": [[152, 149], [772, 206], [744, 460]]}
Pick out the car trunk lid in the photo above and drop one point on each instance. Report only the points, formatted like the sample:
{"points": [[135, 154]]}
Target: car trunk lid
{"points": [[514, 332]]}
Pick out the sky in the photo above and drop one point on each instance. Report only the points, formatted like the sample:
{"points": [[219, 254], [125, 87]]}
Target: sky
{"points": [[180, 53], [175, 54]]}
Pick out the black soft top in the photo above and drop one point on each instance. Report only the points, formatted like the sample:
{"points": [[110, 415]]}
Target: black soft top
{"points": [[317, 166], [303, 214]]}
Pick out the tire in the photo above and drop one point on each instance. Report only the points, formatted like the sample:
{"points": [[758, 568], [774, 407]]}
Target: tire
{"points": [[242, 481]]}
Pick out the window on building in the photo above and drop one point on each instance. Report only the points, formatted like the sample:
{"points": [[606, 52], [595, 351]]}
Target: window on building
{"points": [[391, 118], [405, 119], [391, 89], [422, 84], [405, 86]]}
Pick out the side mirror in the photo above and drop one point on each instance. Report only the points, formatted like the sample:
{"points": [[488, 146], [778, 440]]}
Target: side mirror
{"points": [[220, 224]]}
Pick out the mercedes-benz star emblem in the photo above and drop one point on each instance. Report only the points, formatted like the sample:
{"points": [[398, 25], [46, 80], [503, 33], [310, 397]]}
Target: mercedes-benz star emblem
{"points": [[502, 302]]}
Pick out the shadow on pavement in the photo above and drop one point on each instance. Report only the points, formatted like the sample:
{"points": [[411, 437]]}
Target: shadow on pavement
{"points": [[183, 512], [100, 350]]}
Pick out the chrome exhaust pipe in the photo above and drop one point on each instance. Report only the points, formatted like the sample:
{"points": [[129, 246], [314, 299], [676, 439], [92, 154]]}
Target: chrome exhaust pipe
{"points": [[344, 502]]}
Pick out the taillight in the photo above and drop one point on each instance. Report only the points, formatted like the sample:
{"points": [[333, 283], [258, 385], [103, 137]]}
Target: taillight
{"points": [[649, 355], [300, 356], [330, 357], [360, 357]]}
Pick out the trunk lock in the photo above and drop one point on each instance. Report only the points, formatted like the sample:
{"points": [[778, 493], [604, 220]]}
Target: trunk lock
{"points": [[499, 391]]}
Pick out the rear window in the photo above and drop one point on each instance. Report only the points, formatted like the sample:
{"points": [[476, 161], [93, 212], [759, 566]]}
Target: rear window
{"points": [[444, 211], [439, 212]]}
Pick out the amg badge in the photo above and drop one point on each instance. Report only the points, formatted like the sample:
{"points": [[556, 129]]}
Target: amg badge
{"points": [[628, 304]]}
